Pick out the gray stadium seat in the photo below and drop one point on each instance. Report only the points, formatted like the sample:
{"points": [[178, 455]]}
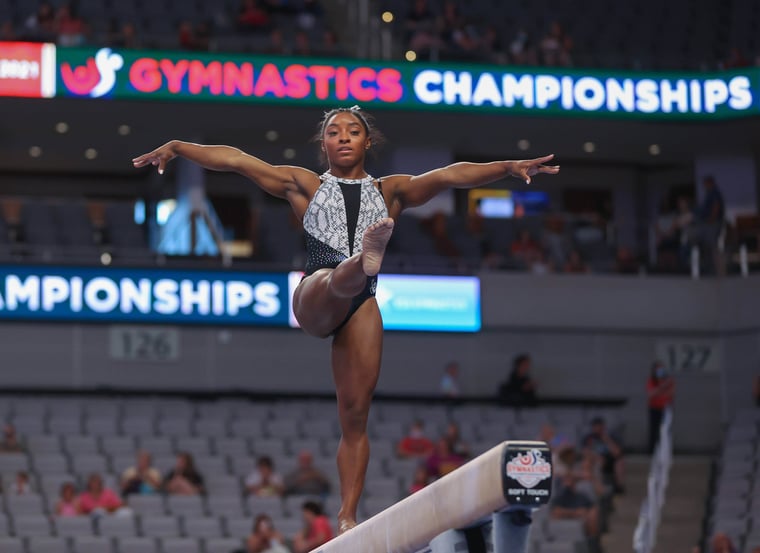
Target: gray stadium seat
{"points": [[117, 526], [324, 428], [118, 445], [232, 447], [225, 505], [271, 505], [222, 545], [152, 504], [159, 526], [47, 544], [238, 527], [211, 427], [174, 427], [202, 527], [19, 505], [246, 428], [87, 463], [211, 465], [180, 545], [73, 526], [92, 544], [136, 545], [43, 444], [65, 425], [50, 463], [138, 426], [13, 461], [31, 525], [80, 445], [282, 429], [273, 447], [222, 484], [105, 426], [5, 525], [185, 505], [11, 545], [196, 446], [158, 446]]}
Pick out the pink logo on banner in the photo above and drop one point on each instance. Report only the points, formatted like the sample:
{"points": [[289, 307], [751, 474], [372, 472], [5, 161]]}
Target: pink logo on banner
{"points": [[529, 469]]}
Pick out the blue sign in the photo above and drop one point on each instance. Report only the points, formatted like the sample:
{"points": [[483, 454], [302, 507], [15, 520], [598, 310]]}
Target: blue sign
{"points": [[434, 303], [148, 296]]}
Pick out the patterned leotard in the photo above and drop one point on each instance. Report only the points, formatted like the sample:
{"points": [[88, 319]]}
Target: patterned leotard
{"points": [[334, 223]]}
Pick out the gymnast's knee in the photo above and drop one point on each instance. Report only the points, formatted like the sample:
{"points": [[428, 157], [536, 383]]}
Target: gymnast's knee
{"points": [[353, 417]]}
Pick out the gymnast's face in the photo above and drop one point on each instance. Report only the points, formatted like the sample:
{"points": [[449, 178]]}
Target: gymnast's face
{"points": [[345, 140]]}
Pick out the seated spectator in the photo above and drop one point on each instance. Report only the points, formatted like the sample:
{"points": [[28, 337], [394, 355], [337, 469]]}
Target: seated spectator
{"points": [[521, 49], [456, 444], [70, 27], [609, 450], [306, 479], [450, 381], [569, 503], [10, 442], [142, 478], [317, 529], [626, 262], [308, 14], [98, 500], [21, 484], [276, 42], [252, 16], [264, 537], [125, 36], [194, 37], [184, 478], [420, 479], [415, 445], [555, 47], [443, 460], [575, 263], [721, 543], [420, 28], [67, 504], [459, 38], [40, 26], [520, 388], [330, 45], [264, 481], [302, 44], [525, 249], [557, 441]]}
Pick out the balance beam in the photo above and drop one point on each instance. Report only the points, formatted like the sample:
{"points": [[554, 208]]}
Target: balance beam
{"points": [[511, 475]]}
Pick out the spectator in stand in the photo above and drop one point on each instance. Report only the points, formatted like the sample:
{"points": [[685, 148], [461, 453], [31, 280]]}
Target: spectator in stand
{"points": [[711, 219], [263, 480], [67, 504], [420, 28], [306, 479], [625, 261], [195, 38], [276, 42], [420, 479], [575, 264], [557, 441], [443, 460], [311, 11], [302, 45], [459, 40], [10, 442], [71, 28], [184, 478], [252, 16], [40, 26], [317, 530], [264, 537], [143, 478], [721, 543], [520, 389], [124, 36], [450, 381], [569, 503], [456, 444], [491, 47], [610, 450], [415, 445], [330, 45], [555, 47], [525, 249], [21, 484], [521, 49], [98, 500], [660, 389]]}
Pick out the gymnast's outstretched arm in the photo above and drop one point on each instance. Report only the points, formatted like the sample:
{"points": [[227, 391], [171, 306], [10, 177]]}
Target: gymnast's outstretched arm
{"points": [[282, 181], [411, 191]]}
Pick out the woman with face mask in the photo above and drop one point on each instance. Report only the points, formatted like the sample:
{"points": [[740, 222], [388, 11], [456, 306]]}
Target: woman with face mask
{"points": [[660, 389]]}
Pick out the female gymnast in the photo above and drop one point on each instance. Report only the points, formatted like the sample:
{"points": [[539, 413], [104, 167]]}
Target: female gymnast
{"points": [[348, 218]]}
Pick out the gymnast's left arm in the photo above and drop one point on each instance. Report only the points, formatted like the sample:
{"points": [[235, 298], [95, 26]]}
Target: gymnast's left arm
{"points": [[412, 191]]}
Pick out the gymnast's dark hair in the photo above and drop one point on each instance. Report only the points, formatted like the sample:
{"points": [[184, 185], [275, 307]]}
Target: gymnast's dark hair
{"points": [[366, 120]]}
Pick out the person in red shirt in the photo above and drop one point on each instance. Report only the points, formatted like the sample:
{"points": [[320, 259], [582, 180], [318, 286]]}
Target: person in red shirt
{"points": [[443, 460], [98, 499], [415, 445], [317, 531], [660, 389]]}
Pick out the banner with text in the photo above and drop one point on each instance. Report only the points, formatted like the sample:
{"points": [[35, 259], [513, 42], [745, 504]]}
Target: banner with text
{"points": [[44, 71], [407, 302]]}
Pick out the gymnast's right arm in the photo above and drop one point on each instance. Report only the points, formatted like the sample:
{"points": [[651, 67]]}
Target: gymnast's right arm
{"points": [[279, 180]]}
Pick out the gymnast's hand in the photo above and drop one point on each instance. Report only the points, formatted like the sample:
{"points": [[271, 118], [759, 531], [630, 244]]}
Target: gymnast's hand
{"points": [[160, 157], [526, 168]]}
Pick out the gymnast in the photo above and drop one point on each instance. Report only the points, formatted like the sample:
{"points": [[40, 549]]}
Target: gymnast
{"points": [[348, 218]]}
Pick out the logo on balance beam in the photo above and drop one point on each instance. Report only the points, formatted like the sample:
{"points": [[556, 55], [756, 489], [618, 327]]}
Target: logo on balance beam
{"points": [[527, 473]]}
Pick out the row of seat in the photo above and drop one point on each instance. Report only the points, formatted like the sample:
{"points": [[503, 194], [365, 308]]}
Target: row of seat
{"points": [[100, 544]]}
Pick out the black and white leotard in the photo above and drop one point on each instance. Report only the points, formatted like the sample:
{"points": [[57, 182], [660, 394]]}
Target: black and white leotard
{"points": [[335, 221]]}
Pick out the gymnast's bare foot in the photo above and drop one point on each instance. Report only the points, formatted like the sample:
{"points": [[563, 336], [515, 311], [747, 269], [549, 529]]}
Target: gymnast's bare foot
{"points": [[373, 245], [345, 525]]}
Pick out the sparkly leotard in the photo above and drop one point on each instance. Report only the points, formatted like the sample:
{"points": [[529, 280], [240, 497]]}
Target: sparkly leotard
{"points": [[334, 223]]}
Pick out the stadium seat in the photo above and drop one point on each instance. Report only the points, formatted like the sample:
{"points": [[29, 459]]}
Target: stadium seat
{"points": [[210, 427], [180, 545], [225, 505], [47, 544], [159, 526], [222, 545], [92, 544], [185, 505], [202, 527], [117, 526], [73, 526], [80, 445], [232, 447], [50, 463], [12, 545], [43, 444], [11, 462], [238, 527], [26, 525], [152, 504], [196, 446], [19, 505], [136, 545]]}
